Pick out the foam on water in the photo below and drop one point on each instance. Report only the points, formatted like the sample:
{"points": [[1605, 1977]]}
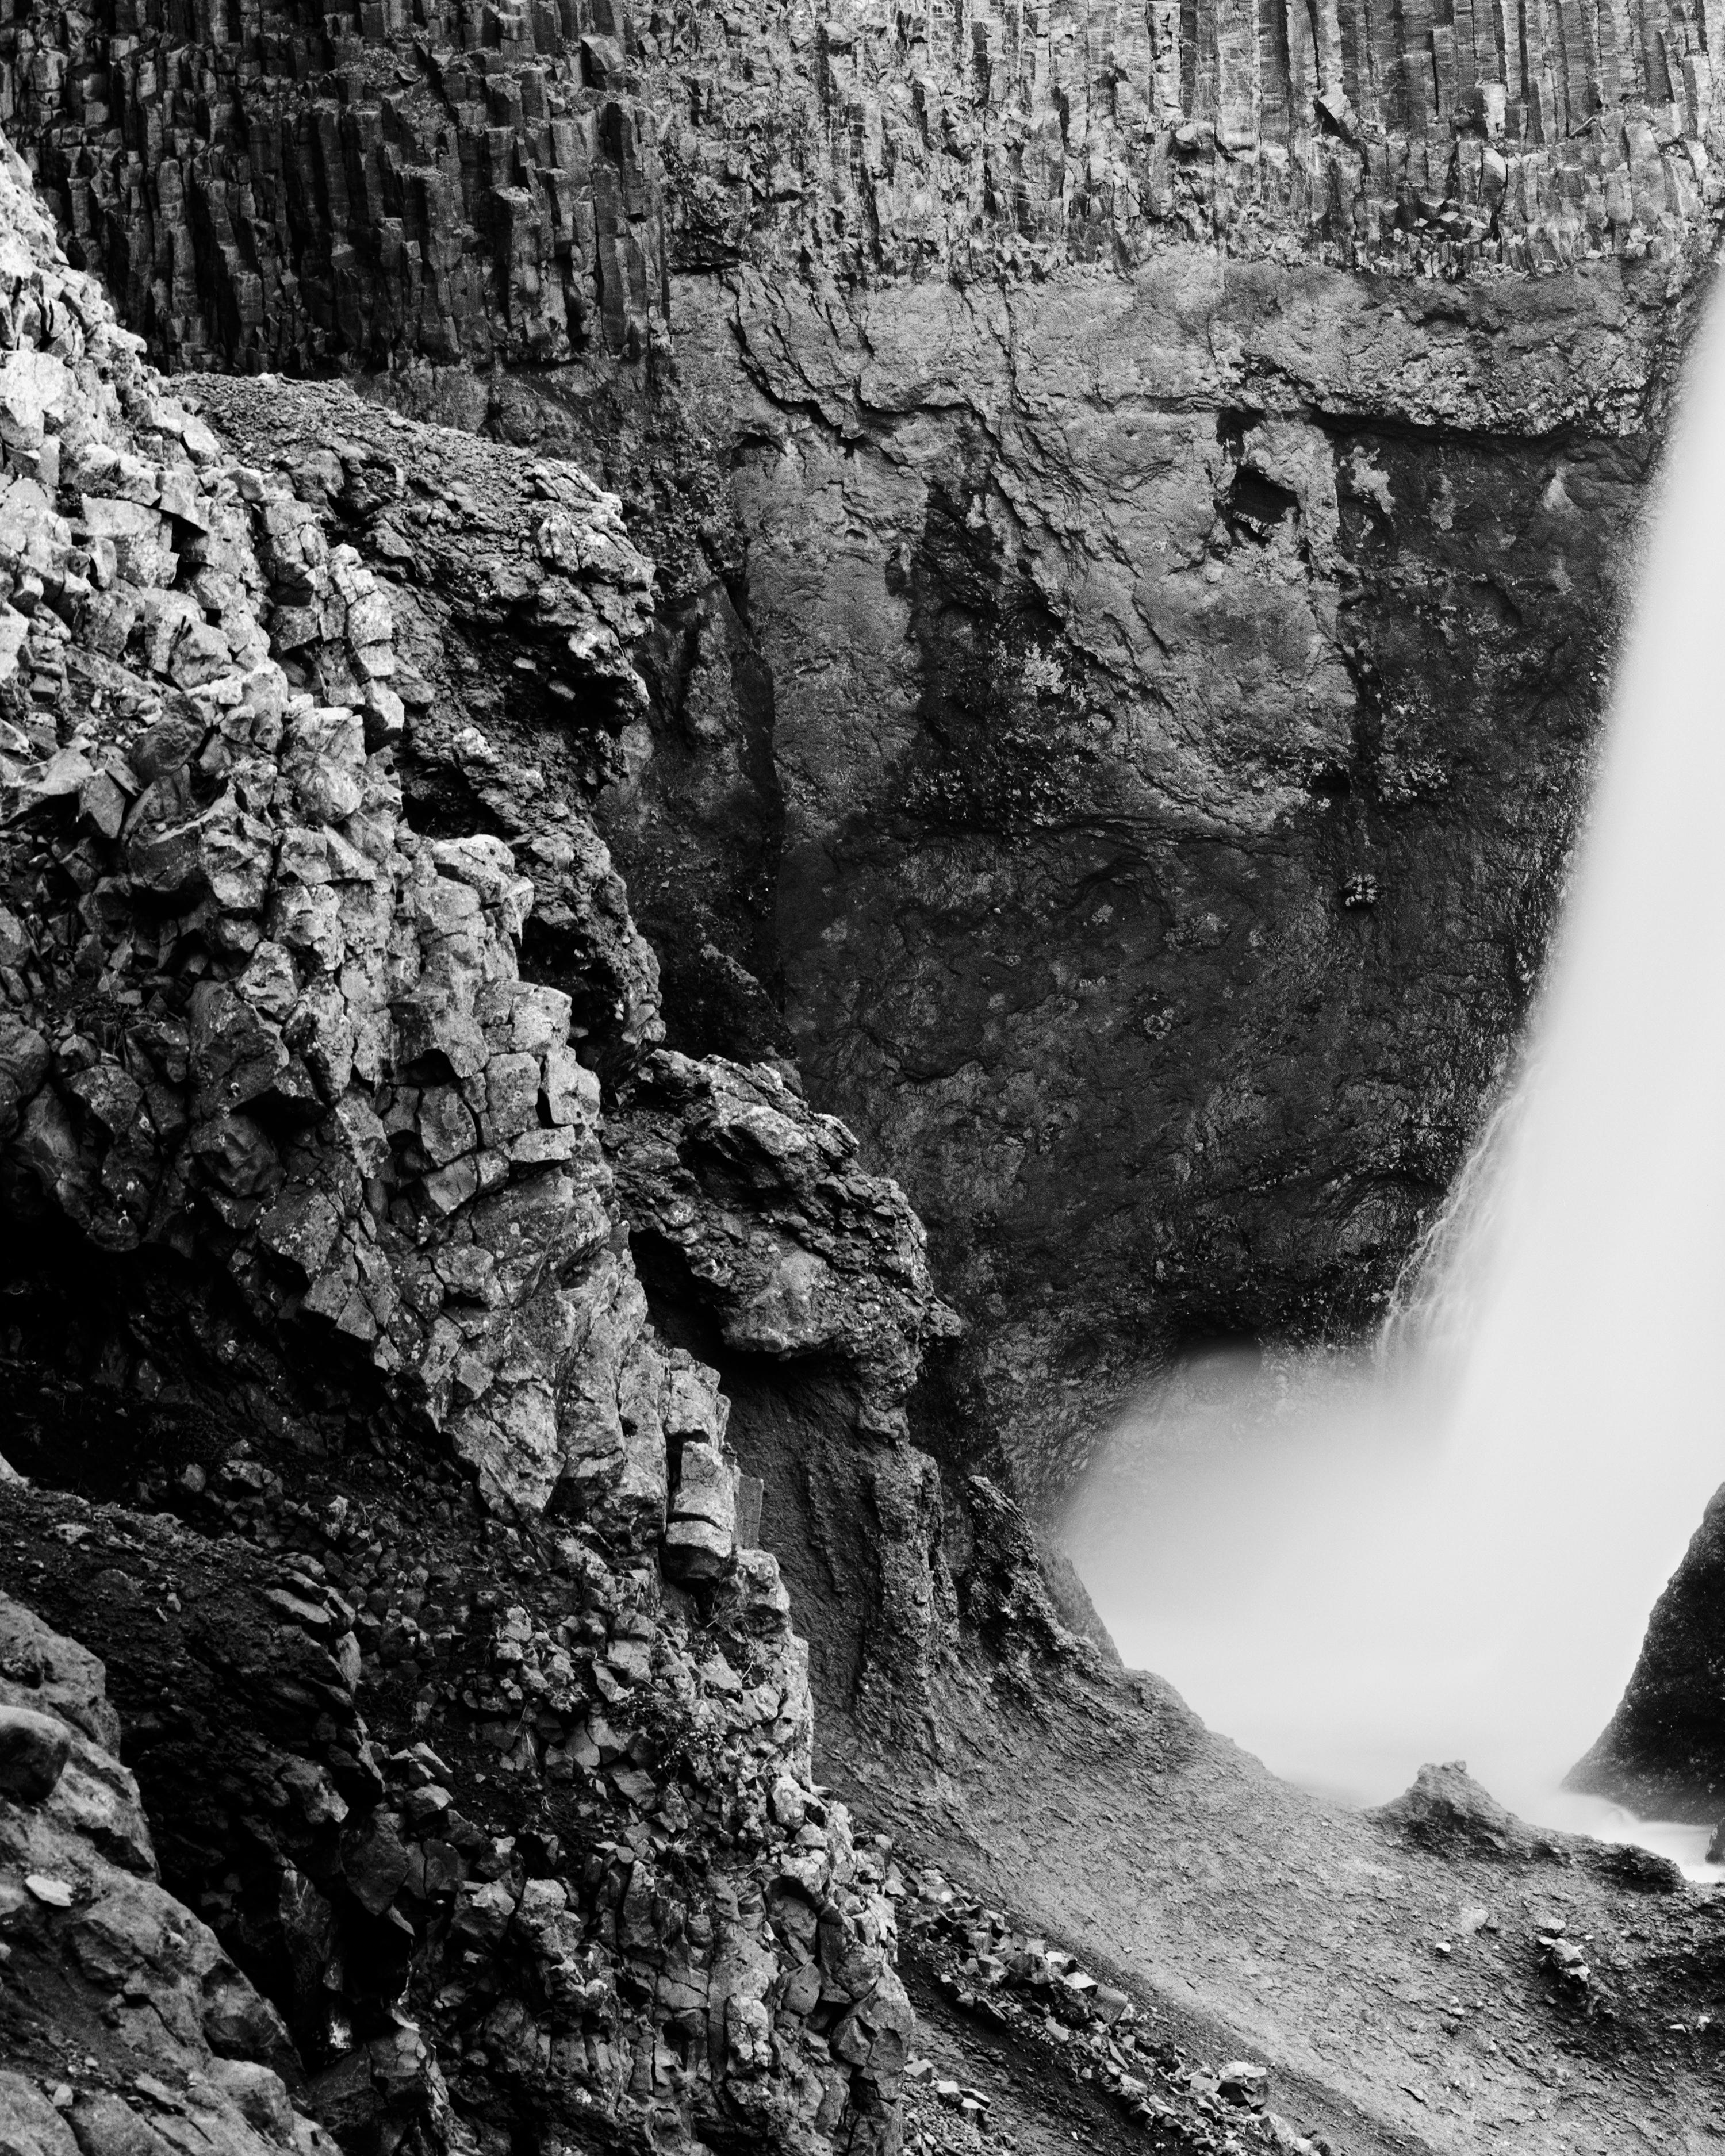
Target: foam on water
{"points": [[1448, 1547]]}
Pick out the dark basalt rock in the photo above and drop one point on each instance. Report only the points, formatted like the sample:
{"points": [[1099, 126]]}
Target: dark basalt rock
{"points": [[33, 1752], [494, 1813], [1121, 668], [1663, 1752], [1141, 517]]}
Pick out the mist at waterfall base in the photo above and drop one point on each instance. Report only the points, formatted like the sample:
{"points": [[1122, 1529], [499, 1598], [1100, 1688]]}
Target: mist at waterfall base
{"points": [[1447, 1548]]}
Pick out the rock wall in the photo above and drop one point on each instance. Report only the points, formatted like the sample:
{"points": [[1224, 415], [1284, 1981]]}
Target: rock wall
{"points": [[1184, 689], [1142, 499], [1097, 673], [1663, 1752], [312, 1171], [123, 2024], [482, 183], [288, 186]]}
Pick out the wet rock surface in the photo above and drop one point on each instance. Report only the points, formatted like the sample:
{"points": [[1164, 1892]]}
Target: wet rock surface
{"points": [[1163, 874]]}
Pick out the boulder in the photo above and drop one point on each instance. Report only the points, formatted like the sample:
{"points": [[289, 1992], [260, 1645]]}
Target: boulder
{"points": [[33, 1752]]}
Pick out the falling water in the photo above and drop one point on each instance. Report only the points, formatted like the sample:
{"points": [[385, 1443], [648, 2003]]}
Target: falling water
{"points": [[1450, 1549]]}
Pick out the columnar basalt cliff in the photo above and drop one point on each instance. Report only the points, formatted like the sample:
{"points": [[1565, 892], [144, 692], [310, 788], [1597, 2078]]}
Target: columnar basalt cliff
{"points": [[484, 183], [1139, 503], [1142, 497], [269, 1053]]}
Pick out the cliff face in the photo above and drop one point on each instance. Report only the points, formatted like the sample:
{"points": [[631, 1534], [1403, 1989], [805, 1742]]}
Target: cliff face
{"points": [[1141, 499], [1184, 689], [309, 1182], [1139, 510], [484, 183], [358, 1339], [1663, 1752]]}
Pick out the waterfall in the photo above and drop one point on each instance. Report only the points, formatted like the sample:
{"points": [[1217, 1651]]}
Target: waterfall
{"points": [[1449, 1549]]}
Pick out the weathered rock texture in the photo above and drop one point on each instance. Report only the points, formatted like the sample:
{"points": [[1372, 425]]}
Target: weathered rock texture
{"points": [[308, 1156], [1183, 690], [116, 2003], [482, 183], [1141, 495], [477, 1728], [1663, 1752], [473, 184], [390, 1312]]}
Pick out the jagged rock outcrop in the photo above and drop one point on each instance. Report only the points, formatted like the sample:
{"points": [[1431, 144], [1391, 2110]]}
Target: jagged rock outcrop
{"points": [[1143, 500], [123, 2024], [271, 1060], [558, 1879], [1663, 1752], [270, 957]]}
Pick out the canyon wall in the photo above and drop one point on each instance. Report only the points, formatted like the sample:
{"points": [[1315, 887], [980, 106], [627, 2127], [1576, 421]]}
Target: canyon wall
{"points": [[376, 1297], [1138, 507], [459, 1694], [1141, 499]]}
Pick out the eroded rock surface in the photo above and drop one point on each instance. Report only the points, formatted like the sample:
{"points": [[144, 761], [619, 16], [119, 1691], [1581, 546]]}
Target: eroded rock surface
{"points": [[123, 2023], [1142, 500], [273, 1068], [400, 1325]]}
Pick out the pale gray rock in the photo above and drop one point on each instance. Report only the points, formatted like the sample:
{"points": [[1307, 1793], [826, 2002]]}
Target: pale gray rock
{"points": [[33, 1752]]}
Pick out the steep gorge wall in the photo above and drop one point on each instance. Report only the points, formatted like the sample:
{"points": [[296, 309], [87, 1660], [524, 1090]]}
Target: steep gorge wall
{"points": [[1141, 499], [313, 1239], [1183, 694]]}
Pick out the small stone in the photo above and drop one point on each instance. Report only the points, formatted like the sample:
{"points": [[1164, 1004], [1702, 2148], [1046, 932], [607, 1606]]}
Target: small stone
{"points": [[639, 1788], [55, 1892], [426, 1806], [1244, 2082]]}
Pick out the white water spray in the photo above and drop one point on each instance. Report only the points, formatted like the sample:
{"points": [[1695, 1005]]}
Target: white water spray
{"points": [[1451, 1551]]}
